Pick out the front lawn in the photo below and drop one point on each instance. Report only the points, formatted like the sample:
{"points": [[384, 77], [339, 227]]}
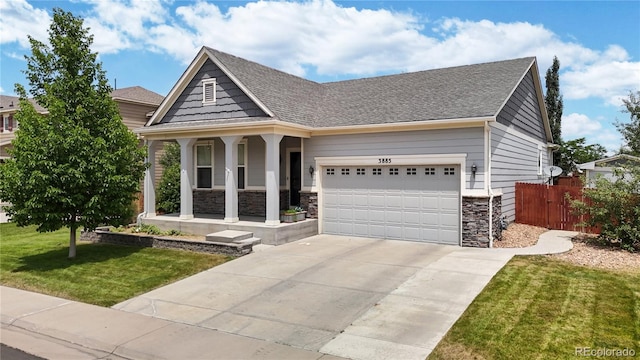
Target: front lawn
{"points": [[101, 274], [542, 308]]}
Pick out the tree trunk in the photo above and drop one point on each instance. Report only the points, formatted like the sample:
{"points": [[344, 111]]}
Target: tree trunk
{"points": [[72, 242]]}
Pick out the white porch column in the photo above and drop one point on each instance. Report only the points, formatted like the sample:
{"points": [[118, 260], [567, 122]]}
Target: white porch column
{"points": [[272, 181], [186, 177], [231, 174], [149, 177]]}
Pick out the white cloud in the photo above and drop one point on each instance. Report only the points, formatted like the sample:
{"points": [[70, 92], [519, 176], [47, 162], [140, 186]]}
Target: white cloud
{"points": [[577, 125], [333, 39], [20, 19], [1, 90]]}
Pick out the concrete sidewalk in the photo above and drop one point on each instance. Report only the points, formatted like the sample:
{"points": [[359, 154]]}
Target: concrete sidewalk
{"points": [[408, 310], [55, 328]]}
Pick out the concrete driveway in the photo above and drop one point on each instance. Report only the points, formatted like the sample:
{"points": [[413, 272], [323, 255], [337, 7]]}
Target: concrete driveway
{"points": [[350, 297]]}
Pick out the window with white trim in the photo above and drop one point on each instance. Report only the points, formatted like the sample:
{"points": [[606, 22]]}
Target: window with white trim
{"points": [[393, 171], [204, 166], [242, 163], [449, 171], [361, 171], [430, 171], [331, 171], [345, 171], [377, 171], [411, 171], [208, 91]]}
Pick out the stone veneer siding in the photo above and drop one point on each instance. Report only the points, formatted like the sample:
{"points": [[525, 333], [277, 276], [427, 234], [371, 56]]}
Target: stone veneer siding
{"points": [[309, 202], [475, 221], [250, 202]]}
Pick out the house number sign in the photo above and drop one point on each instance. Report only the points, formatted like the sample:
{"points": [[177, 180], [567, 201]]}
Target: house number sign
{"points": [[384, 161]]}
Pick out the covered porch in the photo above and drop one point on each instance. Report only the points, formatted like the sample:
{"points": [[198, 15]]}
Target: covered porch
{"points": [[232, 179]]}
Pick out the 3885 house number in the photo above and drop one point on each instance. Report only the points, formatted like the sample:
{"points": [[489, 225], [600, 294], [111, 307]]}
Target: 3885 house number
{"points": [[384, 161]]}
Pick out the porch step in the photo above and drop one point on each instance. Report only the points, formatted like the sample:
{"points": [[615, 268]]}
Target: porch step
{"points": [[252, 241], [227, 236]]}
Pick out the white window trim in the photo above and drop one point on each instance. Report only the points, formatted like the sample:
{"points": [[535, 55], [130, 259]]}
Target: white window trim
{"points": [[246, 164], [540, 160], [205, 84], [196, 167]]}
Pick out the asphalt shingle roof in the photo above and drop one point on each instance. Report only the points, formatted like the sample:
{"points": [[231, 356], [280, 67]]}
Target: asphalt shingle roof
{"points": [[13, 103], [137, 94], [451, 93], [134, 93]]}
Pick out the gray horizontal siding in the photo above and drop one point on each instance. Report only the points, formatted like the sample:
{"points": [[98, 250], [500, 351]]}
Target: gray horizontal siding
{"points": [[454, 141], [513, 159], [522, 112], [231, 102]]}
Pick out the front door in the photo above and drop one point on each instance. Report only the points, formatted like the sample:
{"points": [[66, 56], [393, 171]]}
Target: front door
{"points": [[295, 183]]}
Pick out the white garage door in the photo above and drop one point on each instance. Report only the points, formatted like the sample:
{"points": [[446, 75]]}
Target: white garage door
{"points": [[418, 203]]}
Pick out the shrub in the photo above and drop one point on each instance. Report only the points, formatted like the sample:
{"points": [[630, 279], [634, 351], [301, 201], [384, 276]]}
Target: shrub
{"points": [[168, 193], [614, 205]]}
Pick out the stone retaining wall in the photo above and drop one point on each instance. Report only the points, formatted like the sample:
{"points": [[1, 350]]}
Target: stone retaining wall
{"points": [[160, 242]]}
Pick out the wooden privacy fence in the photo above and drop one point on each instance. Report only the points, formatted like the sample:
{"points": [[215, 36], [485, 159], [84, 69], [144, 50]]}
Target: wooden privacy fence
{"points": [[548, 206]]}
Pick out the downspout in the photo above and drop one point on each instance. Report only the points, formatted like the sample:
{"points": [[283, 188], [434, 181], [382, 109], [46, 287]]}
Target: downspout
{"points": [[487, 130]]}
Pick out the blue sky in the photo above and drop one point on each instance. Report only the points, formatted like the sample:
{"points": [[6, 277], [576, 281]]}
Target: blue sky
{"points": [[150, 42]]}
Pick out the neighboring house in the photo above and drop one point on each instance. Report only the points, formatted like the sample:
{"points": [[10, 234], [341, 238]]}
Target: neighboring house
{"points": [[136, 105], [427, 156], [604, 167]]}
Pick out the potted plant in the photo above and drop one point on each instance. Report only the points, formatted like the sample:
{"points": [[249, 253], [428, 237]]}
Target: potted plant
{"points": [[288, 216], [300, 213]]}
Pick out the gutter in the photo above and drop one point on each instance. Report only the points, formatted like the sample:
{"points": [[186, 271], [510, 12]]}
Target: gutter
{"points": [[487, 130]]}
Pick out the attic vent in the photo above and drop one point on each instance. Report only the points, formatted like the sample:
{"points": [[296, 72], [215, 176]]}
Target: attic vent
{"points": [[209, 91]]}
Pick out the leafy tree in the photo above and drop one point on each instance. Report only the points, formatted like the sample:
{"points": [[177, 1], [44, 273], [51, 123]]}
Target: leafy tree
{"points": [[614, 205], [631, 130], [575, 152], [169, 187], [553, 100], [78, 166]]}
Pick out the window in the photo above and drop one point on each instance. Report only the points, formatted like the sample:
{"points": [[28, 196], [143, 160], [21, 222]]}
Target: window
{"points": [[331, 171], [345, 171], [209, 91], [204, 166], [449, 171], [430, 171], [393, 171], [242, 163], [411, 171], [377, 171], [361, 172], [7, 123], [540, 162]]}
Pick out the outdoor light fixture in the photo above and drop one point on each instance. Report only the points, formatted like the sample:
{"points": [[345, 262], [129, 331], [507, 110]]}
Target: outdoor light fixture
{"points": [[311, 170], [474, 169]]}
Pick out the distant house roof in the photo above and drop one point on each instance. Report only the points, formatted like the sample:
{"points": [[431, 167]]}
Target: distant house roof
{"points": [[469, 91], [12, 103], [135, 94], [616, 160]]}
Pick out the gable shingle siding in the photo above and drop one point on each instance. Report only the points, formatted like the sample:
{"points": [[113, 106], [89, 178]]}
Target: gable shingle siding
{"points": [[522, 111], [231, 102]]}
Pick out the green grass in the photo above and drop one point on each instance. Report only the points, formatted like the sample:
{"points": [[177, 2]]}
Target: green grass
{"points": [[541, 308], [100, 274]]}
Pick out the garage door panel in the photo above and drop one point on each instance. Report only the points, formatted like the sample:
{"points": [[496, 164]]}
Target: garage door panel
{"points": [[448, 220], [418, 203]]}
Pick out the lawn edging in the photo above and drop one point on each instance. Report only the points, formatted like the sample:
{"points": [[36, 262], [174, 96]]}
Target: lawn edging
{"points": [[105, 236]]}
